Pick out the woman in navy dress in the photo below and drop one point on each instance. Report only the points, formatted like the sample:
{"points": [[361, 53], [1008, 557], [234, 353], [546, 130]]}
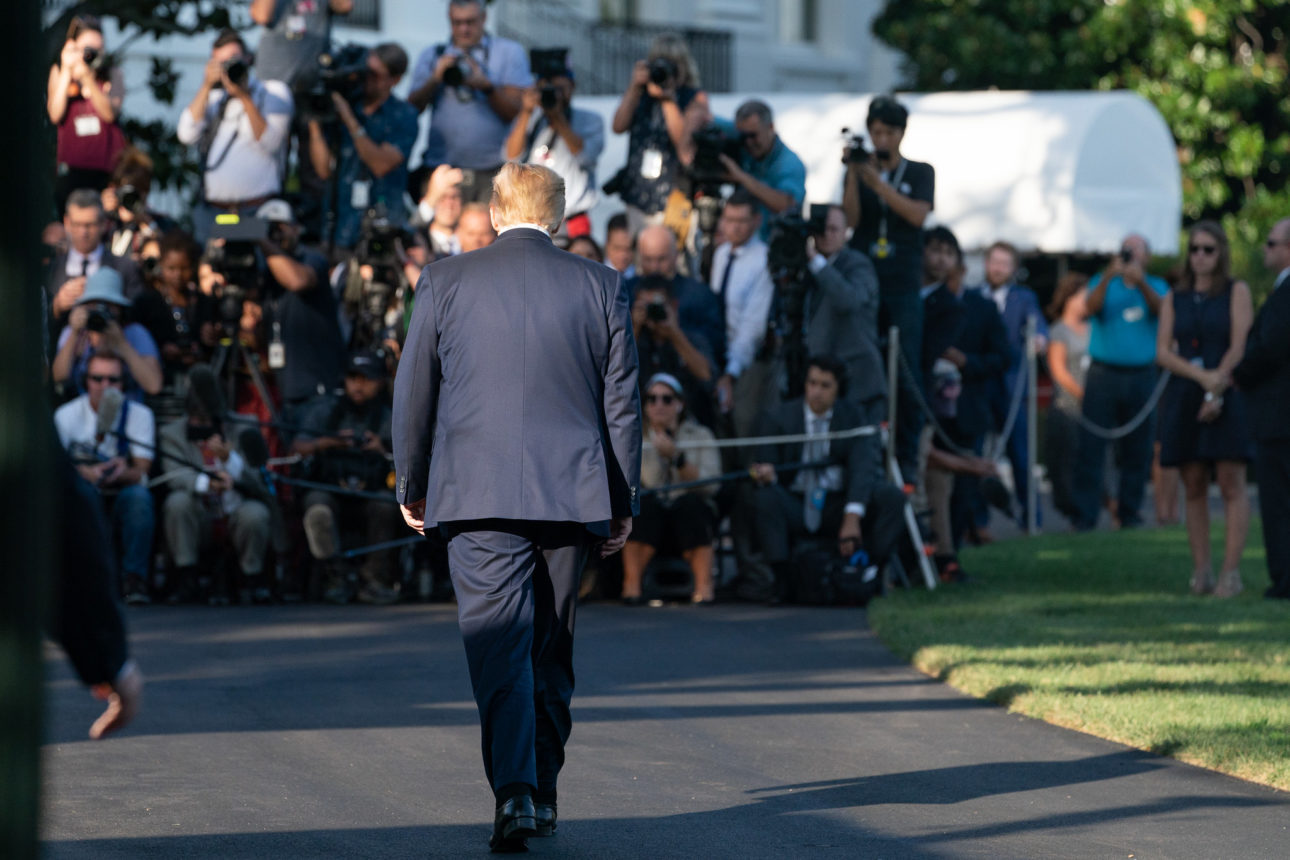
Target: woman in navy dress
{"points": [[1203, 426]]}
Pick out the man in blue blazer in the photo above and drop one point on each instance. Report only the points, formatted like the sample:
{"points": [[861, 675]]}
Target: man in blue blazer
{"points": [[517, 430], [1016, 304]]}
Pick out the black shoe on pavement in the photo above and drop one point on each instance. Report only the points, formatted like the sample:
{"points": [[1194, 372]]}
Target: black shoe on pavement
{"points": [[514, 822], [136, 592], [544, 815]]}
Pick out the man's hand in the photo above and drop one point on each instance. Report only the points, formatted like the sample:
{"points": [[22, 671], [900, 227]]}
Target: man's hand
{"points": [[217, 447], [1132, 274], [214, 72], [415, 516], [233, 90], [113, 336], [124, 697], [79, 316], [446, 62], [733, 170], [221, 482], [726, 393], [530, 101], [68, 294], [762, 473], [345, 112], [955, 356], [640, 74], [111, 470], [444, 178], [476, 78], [619, 530], [849, 536], [372, 442], [870, 175]]}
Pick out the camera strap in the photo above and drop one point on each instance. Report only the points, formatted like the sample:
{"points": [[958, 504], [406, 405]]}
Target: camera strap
{"points": [[882, 204], [256, 98]]}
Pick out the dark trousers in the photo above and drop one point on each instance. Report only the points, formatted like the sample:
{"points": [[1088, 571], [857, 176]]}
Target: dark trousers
{"points": [[517, 585], [1272, 460], [1017, 446], [1113, 395], [968, 509], [902, 307], [781, 519], [1062, 443]]}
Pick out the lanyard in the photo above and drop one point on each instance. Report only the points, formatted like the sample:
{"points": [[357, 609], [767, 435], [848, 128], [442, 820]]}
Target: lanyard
{"points": [[895, 183]]}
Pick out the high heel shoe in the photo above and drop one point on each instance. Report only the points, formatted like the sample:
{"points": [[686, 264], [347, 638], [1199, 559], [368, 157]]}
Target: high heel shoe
{"points": [[1202, 582], [1229, 584]]}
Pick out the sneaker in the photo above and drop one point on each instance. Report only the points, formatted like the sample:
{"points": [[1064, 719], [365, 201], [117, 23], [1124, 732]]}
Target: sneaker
{"points": [[375, 594], [136, 593]]}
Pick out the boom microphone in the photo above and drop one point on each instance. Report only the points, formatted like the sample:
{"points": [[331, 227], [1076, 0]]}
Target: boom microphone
{"points": [[109, 412]]}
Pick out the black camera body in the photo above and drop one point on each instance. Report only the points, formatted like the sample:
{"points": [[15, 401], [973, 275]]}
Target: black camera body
{"points": [[662, 71], [786, 251], [656, 311], [99, 318], [379, 239], [549, 62], [710, 143], [236, 260], [130, 198], [1126, 256], [455, 75], [549, 98], [342, 71], [856, 151], [94, 58], [238, 71]]}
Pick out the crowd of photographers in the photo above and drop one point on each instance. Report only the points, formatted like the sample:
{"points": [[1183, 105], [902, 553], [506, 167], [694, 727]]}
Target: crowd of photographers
{"points": [[225, 387]]}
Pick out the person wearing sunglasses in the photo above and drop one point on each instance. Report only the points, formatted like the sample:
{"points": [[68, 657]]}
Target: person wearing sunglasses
{"points": [[1123, 304], [1264, 375], [110, 440], [767, 169], [1204, 428], [679, 522]]}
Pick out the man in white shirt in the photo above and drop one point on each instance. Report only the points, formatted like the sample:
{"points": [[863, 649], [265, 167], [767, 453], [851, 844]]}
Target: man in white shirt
{"points": [[241, 134], [111, 442], [745, 291]]}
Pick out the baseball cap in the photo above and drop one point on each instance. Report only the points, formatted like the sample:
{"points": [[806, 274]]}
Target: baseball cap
{"points": [[366, 363], [277, 211]]}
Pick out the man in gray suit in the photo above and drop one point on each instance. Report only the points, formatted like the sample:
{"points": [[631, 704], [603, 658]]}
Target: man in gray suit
{"points": [[517, 430], [842, 314]]}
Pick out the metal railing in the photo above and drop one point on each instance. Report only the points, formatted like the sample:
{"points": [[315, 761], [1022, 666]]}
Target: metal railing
{"points": [[603, 54], [366, 15]]}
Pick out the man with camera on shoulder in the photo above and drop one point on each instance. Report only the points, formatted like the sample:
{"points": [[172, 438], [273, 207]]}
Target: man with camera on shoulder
{"points": [[347, 438], [769, 170], [474, 86], [367, 151], [551, 132], [887, 198], [239, 124]]}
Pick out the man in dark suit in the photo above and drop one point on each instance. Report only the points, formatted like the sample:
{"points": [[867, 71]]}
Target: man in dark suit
{"points": [[85, 225], [517, 430], [842, 314], [850, 497], [1016, 304], [1264, 375]]}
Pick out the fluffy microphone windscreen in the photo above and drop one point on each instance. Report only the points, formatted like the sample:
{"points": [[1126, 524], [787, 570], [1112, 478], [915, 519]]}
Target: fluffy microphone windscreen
{"points": [[109, 411]]}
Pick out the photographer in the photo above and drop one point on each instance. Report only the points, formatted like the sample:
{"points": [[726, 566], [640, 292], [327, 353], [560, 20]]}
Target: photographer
{"points": [[551, 132], [239, 124], [849, 498], [84, 225], [348, 438], [768, 169], [887, 198], [662, 108], [183, 321], [96, 324], [305, 346], [697, 307], [664, 345], [125, 203], [83, 100], [473, 86], [367, 154]]}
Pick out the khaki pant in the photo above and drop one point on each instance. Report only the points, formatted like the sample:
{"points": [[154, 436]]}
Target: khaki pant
{"points": [[188, 520]]}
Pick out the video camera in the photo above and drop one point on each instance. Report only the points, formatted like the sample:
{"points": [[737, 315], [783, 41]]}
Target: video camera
{"points": [[786, 251], [342, 71], [547, 63], [857, 152], [707, 172], [236, 259]]}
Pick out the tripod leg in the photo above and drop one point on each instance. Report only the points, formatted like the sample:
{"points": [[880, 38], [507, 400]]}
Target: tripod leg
{"points": [[911, 525]]}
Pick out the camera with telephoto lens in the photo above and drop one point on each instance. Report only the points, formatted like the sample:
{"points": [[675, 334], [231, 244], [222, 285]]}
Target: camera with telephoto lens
{"points": [[128, 197], [94, 58], [455, 75], [656, 311], [710, 143], [661, 71], [545, 64], [238, 71], [342, 71], [1126, 256], [99, 317]]}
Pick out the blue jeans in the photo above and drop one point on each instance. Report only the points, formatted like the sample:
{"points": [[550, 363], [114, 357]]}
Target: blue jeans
{"points": [[1112, 396], [133, 522]]}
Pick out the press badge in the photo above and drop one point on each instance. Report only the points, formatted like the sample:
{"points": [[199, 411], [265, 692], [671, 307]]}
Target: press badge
{"points": [[87, 126], [817, 498], [296, 25], [651, 164], [277, 351], [360, 193], [1133, 314], [880, 250]]}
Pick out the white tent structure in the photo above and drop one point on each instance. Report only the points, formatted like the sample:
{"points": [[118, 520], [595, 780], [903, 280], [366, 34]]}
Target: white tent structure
{"points": [[1057, 173]]}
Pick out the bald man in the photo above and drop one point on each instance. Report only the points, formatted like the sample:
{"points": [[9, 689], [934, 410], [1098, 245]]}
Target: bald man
{"points": [[698, 309]]}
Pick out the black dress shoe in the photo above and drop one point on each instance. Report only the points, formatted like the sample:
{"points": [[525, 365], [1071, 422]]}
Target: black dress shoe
{"points": [[545, 816], [514, 823]]}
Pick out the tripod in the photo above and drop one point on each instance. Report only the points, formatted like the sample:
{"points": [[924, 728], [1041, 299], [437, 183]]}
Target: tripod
{"points": [[231, 356]]}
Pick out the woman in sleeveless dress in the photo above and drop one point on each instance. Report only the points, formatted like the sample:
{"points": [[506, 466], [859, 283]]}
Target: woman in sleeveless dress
{"points": [[1204, 321]]}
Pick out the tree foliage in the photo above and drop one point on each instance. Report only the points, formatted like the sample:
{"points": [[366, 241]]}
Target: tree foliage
{"points": [[1215, 69], [173, 164]]}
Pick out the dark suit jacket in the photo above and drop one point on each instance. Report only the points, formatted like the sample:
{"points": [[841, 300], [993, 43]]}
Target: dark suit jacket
{"points": [[1264, 372], [131, 279], [980, 336], [860, 457], [516, 395], [842, 320]]}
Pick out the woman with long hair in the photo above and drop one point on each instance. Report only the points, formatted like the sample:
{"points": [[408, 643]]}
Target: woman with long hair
{"points": [[1068, 361], [83, 100], [1204, 321]]}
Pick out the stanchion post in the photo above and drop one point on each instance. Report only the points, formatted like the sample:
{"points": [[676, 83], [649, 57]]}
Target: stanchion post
{"points": [[1032, 415], [893, 388]]}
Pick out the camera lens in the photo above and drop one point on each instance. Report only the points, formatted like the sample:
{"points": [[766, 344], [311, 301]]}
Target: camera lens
{"points": [[661, 71], [549, 97], [454, 75]]}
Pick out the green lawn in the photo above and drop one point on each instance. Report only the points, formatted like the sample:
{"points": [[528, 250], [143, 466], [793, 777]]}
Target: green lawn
{"points": [[1098, 633]]}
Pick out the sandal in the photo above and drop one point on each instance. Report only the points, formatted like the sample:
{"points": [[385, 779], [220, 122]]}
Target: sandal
{"points": [[1229, 584], [1202, 582]]}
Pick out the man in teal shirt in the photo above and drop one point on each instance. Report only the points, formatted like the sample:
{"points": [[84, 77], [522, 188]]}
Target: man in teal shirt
{"points": [[768, 169], [1123, 302]]}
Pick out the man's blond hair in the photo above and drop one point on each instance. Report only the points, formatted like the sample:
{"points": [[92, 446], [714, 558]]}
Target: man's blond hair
{"points": [[528, 194]]}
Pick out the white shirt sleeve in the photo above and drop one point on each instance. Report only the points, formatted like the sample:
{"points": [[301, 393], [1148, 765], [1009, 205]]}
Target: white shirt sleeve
{"points": [[276, 110], [749, 320], [141, 428], [190, 128]]}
